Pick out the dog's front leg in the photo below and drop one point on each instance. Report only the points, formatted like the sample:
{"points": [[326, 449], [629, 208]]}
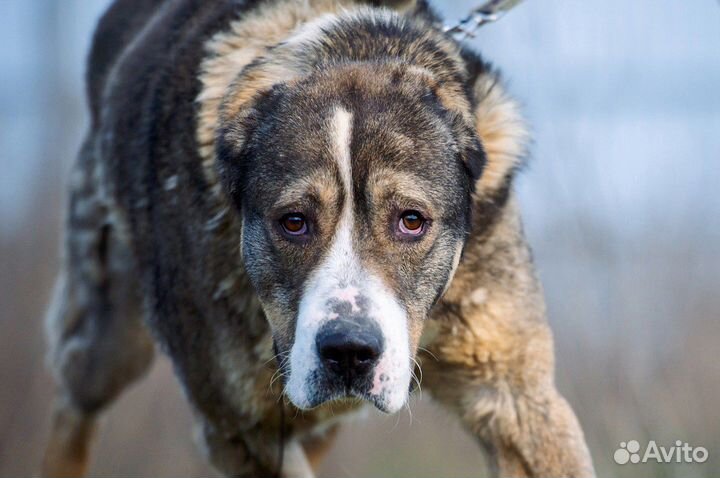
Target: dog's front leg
{"points": [[253, 454], [523, 423], [489, 358]]}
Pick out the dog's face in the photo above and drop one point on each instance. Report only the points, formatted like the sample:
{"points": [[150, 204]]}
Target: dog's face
{"points": [[355, 197]]}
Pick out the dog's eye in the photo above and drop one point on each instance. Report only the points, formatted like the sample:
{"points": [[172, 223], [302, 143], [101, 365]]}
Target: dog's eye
{"points": [[294, 224], [411, 223]]}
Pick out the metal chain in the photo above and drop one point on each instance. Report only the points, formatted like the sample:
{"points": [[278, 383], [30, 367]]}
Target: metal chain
{"points": [[489, 12]]}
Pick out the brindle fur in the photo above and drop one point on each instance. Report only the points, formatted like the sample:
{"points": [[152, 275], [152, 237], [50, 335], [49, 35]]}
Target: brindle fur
{"points": [[154, 227]]}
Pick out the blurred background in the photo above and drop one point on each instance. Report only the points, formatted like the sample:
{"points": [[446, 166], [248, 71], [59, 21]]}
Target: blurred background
{"points": [[621, 204]]}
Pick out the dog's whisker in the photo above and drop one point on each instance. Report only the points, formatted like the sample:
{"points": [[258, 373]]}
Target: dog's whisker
{"points": [[415, 377], [409, 410], [274, 357], [276, 376], [283, 355], [429, 353], [397, 422]]}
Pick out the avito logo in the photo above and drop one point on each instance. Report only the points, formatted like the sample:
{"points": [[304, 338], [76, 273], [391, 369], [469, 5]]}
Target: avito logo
{"points": [[680, 453]]}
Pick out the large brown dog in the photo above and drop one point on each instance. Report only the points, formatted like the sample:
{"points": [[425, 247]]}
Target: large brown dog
{"points": [[307, 200]]}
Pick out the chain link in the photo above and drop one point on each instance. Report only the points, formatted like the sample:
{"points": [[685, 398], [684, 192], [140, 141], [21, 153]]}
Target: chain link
{"points": [[489, 12]]}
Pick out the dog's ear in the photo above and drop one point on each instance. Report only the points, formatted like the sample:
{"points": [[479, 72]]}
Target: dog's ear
{"points": [[250, 97], [470, 149], [502, 132], [446, 90]]}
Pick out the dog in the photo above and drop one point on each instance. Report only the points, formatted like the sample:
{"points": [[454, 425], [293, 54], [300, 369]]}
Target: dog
{"points": [[304, 203]]}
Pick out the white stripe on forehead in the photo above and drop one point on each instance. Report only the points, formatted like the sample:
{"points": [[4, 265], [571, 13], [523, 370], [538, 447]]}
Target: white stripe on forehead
{"points": [[342, 260], [342, 134]]}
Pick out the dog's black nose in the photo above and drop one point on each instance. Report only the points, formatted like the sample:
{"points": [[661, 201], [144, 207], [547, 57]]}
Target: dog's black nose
{"points": [[348, 349]]}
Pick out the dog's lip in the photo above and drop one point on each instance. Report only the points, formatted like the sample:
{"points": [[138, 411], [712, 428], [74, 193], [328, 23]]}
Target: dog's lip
{"points": [[376, 400], [379, 403]]}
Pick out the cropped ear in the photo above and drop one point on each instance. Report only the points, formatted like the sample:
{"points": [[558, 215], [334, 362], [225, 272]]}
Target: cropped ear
{"points": [[257, 78], [453, 98], [250, 96], [470, 149], [502, 131], [233, 141]]}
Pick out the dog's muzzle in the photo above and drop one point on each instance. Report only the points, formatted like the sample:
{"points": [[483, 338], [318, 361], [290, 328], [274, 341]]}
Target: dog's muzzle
{"points": [[351, 340], [349, 349]]}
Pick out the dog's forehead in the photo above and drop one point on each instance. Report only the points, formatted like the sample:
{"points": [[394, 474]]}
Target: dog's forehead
{"points": [[394, 120], [388, 135]]}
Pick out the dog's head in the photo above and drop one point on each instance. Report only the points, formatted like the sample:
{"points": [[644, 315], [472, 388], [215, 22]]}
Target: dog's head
{"points": [[354, 182]]}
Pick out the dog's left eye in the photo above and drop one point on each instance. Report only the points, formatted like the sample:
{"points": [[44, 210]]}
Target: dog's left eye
{"points": [[411, 223], [294, 224]]}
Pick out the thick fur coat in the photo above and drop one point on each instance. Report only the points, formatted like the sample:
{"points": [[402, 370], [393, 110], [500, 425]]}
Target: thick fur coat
{"points": [[208, 116]]}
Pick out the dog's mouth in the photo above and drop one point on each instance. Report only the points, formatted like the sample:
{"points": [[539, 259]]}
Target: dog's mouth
{"points": [[324, 388], [380, 402], [351, 340]]}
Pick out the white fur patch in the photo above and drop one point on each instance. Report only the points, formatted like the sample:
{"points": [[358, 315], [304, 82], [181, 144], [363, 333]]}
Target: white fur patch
{"points": [[392, 373]]}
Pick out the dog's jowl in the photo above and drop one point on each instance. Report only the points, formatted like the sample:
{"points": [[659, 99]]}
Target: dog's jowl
{"points": [[304, 204]]}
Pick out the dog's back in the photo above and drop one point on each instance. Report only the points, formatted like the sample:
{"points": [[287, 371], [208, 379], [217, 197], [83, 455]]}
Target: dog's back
{"points": [[116, 29]]}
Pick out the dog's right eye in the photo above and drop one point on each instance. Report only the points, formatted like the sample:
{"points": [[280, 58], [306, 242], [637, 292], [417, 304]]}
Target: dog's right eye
{"points": [[412, 224], [294, 224]]}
